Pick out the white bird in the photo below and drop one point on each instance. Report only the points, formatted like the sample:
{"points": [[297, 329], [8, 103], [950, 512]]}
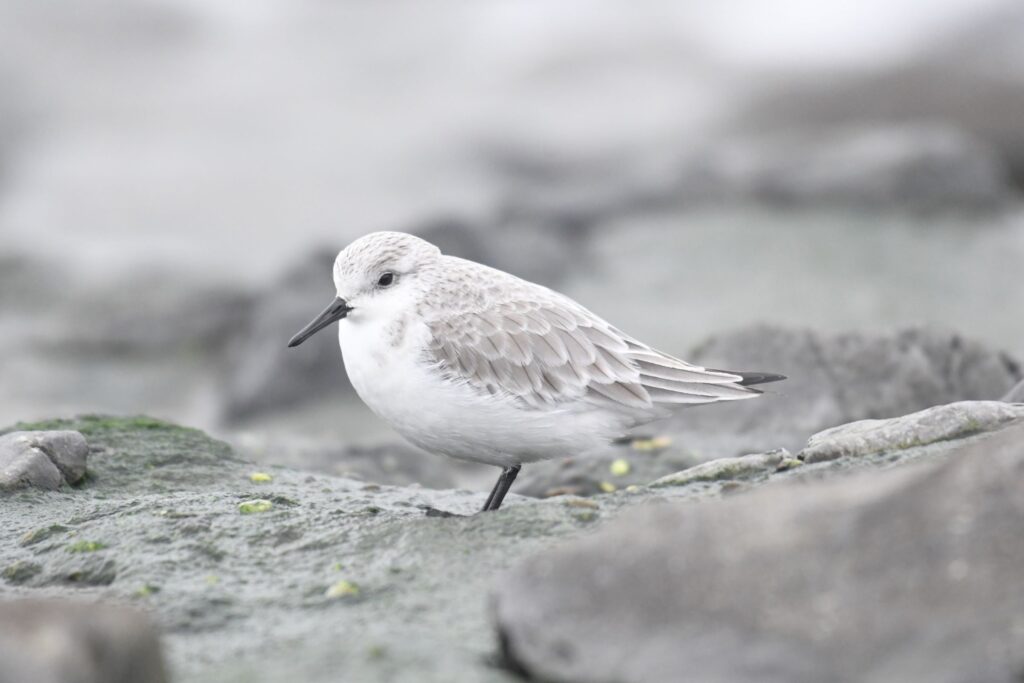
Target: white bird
{"points": [[477, 364]]}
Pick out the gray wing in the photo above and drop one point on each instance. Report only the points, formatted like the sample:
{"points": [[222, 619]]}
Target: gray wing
{"points": [[552, 350]]}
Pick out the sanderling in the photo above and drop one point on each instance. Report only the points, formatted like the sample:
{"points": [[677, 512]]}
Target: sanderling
{"points": [[477, 364]]}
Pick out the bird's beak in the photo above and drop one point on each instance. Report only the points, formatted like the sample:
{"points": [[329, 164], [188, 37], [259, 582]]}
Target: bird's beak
{"points": [[336, 311]]}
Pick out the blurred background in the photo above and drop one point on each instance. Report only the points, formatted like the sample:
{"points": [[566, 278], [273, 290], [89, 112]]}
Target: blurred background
{"points": [[176, 178]]}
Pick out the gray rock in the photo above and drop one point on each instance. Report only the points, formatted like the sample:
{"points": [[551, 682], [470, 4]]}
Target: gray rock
{"points": [[261, 373], [897, 575], [23, 465], [51, 641], [729, 469], [1016, 394], [836, 379], [365, 585], [66, 449], [941, 423], [43, 459], [917, 165]]}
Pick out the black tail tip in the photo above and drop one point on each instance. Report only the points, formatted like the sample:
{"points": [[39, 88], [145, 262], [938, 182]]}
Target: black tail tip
{"points": [[759, 378], [749, 378]]}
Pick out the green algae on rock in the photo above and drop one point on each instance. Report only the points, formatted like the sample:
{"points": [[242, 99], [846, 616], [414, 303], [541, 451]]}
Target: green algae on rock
{"points": [[86, 546], [252, 507]]}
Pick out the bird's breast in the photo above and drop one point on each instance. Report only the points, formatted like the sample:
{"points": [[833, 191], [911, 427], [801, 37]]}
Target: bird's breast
{"points": [[381, 359]]}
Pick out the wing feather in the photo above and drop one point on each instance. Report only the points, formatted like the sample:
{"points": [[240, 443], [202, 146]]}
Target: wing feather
{"points": [[549, 350]]}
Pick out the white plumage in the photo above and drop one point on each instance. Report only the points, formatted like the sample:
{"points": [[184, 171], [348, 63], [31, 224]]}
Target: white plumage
{"points": [[475, 363]]}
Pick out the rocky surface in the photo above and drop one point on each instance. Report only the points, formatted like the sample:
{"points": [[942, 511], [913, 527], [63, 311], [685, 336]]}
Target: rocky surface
{"points": [[44, 460], [898, 575], [261, 573], [941, 423], [54, 641], [836, 379], [629, 464]]}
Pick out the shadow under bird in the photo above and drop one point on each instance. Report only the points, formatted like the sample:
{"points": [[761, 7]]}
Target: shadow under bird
{"points": [[477, 364]]}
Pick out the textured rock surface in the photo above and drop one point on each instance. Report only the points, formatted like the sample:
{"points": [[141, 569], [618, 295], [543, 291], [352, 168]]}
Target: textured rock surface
{"points": [[900, 575], [730, 469], [835, 379], [42, 460], [290, 575], [50, 641], [941, 423]]}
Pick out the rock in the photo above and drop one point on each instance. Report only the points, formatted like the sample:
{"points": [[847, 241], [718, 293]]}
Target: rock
{"points": [[65, 449], [616, 467], [836, 379], [261, 373], [1016, 394], [367, 585], [155, 314], [727, 469], [791, 583], [921, 166], [52, 641], [42, 459], [941, 423], [22, 465]]}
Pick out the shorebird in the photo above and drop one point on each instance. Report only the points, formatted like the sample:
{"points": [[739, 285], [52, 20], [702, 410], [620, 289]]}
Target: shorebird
{"points": [[474, 363]]}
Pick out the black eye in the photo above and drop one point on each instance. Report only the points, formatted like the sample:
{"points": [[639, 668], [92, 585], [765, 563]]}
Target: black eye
{"points": [[386, 279]]}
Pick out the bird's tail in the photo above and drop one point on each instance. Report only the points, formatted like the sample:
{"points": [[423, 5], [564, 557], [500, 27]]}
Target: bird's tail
{"points": [[754, 377]]}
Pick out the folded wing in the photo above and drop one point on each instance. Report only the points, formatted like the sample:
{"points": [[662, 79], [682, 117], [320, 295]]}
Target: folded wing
{"points": [[551, 351]]}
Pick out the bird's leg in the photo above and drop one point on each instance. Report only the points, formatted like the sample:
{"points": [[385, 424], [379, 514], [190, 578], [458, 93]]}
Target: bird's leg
{"points": [[494, 491], [508, 475]]}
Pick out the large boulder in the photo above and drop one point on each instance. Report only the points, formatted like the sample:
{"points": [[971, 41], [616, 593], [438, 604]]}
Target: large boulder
{"points": [[899, 575], [835, 379], [51, 641]]}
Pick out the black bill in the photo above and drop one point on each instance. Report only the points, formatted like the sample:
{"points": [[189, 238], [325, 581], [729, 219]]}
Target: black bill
{"points": [[336, 311]]}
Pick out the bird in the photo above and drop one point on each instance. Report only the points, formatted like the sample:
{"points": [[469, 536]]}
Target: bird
{"points": [[474, 363]]}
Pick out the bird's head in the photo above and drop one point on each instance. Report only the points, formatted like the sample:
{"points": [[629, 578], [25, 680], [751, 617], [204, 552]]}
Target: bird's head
{"points": [[375, 277]]}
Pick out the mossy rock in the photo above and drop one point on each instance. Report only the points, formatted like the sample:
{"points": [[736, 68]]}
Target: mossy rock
{"points": [[143, 453]]}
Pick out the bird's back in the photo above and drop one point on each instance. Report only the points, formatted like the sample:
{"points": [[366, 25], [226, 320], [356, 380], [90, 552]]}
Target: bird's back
{"points": [[509, 338]]}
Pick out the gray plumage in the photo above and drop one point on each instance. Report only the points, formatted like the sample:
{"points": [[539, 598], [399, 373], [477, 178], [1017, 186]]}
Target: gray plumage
{"points": [[511, 337]]}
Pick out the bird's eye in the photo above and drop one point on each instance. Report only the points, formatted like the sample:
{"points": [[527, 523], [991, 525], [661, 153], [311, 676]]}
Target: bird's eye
{"points": [[386, 280]]}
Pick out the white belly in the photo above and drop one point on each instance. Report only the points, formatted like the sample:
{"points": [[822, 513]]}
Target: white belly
{"points": [[453, 419]]}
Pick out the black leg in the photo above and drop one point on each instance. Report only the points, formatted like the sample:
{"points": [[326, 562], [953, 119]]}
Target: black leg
{"points": [[494, 491], [508, 475]]}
